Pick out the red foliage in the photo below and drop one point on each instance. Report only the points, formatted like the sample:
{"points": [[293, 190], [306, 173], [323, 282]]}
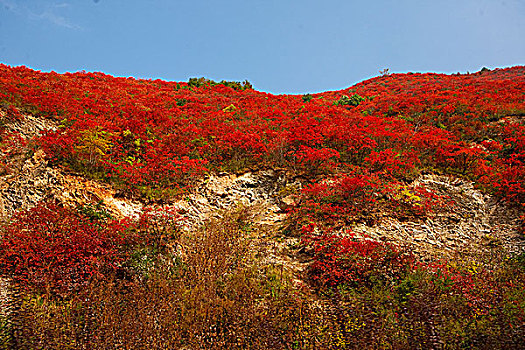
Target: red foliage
{"points": [[57, 247], [354, 198], [447, 277], [156, 133], [315, 160], [391, 163], [359, 262], [350, 198]]}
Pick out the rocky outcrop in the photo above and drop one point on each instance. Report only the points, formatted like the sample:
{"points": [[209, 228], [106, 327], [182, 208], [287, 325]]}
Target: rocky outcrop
{"points": [[223, 191], [471, 218]]}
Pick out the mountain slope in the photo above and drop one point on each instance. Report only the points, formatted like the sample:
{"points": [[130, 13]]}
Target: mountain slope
{"points": [[355, 195]]}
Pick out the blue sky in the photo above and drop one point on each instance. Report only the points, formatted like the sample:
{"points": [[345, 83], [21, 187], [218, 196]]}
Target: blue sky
{"points": [[281, 46]]}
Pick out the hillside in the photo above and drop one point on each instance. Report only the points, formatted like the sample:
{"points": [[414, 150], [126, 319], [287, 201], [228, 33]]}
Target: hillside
{"points": [[386, 215]]}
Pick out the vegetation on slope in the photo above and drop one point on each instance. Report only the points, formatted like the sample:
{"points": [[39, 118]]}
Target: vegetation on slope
{"points": [[152, 135], [80, 275]]}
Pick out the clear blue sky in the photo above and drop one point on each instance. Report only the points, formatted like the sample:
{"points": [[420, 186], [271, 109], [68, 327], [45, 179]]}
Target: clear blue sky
{"points": [[281, 46]]}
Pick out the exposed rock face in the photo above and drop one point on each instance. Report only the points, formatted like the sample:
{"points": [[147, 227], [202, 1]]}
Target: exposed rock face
{"points": [[29, 178], [23, 189], [226, 191], [37, 181], [30, 126], [472, 218]]}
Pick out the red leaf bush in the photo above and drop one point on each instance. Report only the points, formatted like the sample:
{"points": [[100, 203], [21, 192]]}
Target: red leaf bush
{"points": [[350, 198], [58, 247], [129, 131], [356, 198], [356, 262]]}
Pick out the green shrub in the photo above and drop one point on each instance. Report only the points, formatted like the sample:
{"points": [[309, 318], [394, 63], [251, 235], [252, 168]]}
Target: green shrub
{"points": [[354, 100], [236, 85]]}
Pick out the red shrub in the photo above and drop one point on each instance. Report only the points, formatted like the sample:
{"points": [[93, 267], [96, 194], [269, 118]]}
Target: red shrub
{"points": [[315, 160], [155, 133], [391, 162], [350, 198], [359, 262], [53, 246]]}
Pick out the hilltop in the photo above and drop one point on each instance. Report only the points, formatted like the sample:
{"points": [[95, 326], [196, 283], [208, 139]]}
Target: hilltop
{"points": [[391, 210]]}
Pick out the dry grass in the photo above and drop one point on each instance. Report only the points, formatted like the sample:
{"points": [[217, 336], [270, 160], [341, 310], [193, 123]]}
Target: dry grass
{"points": [[208, 292], [210, 289]]}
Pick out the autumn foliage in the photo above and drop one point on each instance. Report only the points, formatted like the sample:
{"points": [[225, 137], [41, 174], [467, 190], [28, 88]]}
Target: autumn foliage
{"points": [[51, 246], [357, 152], [130, 131]]}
